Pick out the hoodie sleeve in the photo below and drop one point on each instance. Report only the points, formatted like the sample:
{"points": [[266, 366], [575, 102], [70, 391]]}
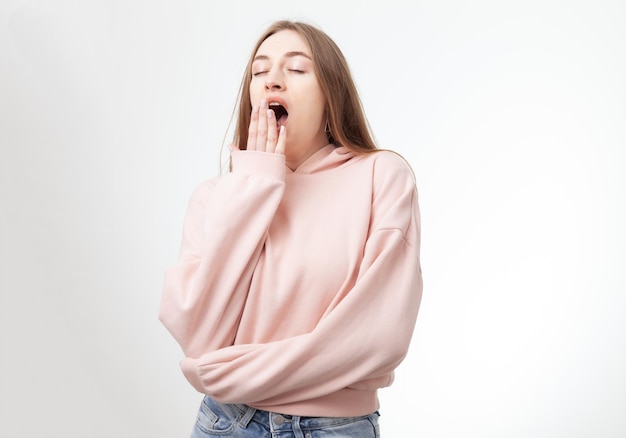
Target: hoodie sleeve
{"points": [[224, 229], [361, 341]]}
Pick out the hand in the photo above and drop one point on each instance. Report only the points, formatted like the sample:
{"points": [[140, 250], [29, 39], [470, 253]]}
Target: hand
{"points": [[263, 132]]}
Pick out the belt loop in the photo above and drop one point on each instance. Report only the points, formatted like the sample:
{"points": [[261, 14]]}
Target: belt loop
{"points": [[247, 417], [295, 427]]}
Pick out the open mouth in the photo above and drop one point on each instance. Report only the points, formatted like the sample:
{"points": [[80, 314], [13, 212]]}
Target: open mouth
{"points": [[280, 112]]}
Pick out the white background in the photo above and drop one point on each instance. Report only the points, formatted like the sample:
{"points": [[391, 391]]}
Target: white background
{"points": [[512, 114]]}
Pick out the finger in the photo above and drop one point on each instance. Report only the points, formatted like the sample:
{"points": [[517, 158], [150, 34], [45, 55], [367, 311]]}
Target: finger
{"points": [[280, 144], [252, 128], [270, 144], [261, 132]]}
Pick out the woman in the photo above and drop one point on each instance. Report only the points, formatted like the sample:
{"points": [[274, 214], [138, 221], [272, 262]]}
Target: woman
{"points": [[298, 283]]}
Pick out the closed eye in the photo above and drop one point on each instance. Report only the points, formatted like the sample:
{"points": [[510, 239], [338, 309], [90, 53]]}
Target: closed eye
{"points": [[296, 70], [258, 73]]}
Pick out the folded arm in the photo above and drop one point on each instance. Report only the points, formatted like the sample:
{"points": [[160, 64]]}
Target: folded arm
{"points": [[223, 234]]}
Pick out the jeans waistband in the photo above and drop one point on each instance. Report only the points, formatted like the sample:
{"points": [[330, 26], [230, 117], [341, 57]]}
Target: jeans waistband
{"points": [[277, 421]]}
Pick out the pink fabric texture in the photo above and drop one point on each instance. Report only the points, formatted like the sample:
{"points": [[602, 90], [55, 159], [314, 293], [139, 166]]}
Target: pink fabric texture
{"points": [[298, 291]]}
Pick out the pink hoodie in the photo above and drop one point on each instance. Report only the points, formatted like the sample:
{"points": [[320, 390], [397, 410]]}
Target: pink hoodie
{"points": [[297, 291]]}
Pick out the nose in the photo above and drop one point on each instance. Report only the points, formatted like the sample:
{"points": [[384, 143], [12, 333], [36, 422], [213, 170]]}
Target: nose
{"points": [[273, 85], [274, 82]]}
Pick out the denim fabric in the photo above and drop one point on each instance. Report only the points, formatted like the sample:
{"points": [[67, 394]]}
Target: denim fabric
{"points": [[241, 421]]}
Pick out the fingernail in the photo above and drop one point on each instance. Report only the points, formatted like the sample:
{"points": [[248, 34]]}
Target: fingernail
{"points": [[269, 113], [255, 108], [263, 103]]}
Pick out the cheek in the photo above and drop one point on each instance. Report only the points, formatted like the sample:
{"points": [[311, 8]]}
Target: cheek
{"points": [[319, 107], [320, 101], [255, 92], [316, 104]]}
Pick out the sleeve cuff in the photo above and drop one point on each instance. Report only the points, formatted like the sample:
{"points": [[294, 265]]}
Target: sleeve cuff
{"points": [[259, 164]]}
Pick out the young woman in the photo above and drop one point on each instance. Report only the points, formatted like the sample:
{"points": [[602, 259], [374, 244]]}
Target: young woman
{"points": [[298, 283]]}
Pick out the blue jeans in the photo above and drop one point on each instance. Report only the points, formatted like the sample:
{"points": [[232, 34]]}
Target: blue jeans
{"points": [[241, 421]]}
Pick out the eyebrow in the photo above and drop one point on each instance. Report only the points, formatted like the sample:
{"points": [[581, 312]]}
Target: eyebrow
{"points": [[286, 55]]}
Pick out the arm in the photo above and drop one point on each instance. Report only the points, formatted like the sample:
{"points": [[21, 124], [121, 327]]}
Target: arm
{"points": [[357, 344], [225, 226]]}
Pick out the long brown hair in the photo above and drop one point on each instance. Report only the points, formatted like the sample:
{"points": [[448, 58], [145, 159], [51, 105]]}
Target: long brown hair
{"points": [[347, 123]]}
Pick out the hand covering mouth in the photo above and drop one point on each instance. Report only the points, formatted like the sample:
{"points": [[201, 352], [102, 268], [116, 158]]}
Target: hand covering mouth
{"points": [[280, 112]]}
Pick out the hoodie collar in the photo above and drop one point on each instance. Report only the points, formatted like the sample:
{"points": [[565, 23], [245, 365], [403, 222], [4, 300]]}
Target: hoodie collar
{"points": [[328, 157]]}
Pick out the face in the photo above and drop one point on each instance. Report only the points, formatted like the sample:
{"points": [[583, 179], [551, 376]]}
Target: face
{"points": [[283, 75]]}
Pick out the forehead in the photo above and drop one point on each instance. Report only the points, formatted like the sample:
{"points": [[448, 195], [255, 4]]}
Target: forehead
{"points": [[281, 43]]}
